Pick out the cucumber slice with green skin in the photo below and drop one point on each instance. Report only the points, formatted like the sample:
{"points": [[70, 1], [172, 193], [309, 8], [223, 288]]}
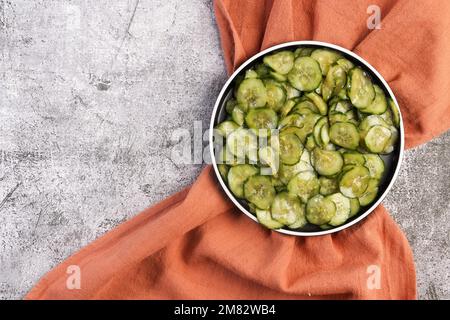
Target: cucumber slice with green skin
{"points": [[325, 226], [342, 204], [318, 101], [226, 127], [290, 148], [337, 117], [354, 158], [335, 81], [252, 93], [278, 77], [354, 207], [262, 70], [325, 136], [286, 108], [294, 120], [387, 117], [340, 106], [305, 75], [242, 142], [377, 138], [238, 115], [305, 52], [237, 176], [371, 193], [265, 218], [269, 157], [286, 172], [325, 58], [375, 164], [281, 62], [345, 134], [276, 96], [223, 170], [305, 104], [310, 143], [294, 130], [262, 118], [354, 182], [304, 185], [328, 186], [229, 106], [327, 163], [291, 92], [305, 123], [360, 91], [287, 209], [395, 113], [379, 104], [394, 137], [317, 130], [259, 191], [346, 64], [251, 74], [226, 157], [320, 210]]}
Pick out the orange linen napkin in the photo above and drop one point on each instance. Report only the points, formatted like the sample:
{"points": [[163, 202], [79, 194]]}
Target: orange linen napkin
{"points": [[197, 245]]}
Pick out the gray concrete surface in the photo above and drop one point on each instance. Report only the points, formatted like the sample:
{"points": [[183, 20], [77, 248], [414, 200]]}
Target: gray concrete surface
{"points": [[90, 93]]}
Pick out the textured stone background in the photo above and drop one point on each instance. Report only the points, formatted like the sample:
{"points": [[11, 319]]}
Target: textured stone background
{"points": [[90, 93]]}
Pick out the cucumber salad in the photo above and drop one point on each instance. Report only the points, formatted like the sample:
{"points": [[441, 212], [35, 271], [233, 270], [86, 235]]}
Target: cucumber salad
{"points": [[303, 136]]}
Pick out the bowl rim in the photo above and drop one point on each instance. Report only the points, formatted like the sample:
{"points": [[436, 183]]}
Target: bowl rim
{"points": [[306, 43]]}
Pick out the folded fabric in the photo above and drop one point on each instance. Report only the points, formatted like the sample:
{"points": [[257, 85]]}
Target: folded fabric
{"points": [[197, 245]]}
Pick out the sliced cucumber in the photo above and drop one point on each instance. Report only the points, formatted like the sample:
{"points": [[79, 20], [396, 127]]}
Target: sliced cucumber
{"points": [[327, 163], [318, 101], [251, 74], [377, 138], [229, 106], [269, 157], [291, 92], [346, 64], [375, 164], [305, 75], [223, 170], [226, 127], [286, 172], [394, 137], [286, 108], [304, 185], [305, 105], [277, 76], [259, 191], [328, 186], [276, 95], [353, 157], [353, 183], [282, 62], [354, 207], [345, 134], [237, 176], [287, 209], [262, 118], [318, 129], [242, 142], [342, 204], [265, 218], [371, 193], [335, 81], [325, 58], [310, 143], [320, 210], [379, 104], [290, 148], [238, 115], [361, 91], [252, 93], [395, 113]]}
